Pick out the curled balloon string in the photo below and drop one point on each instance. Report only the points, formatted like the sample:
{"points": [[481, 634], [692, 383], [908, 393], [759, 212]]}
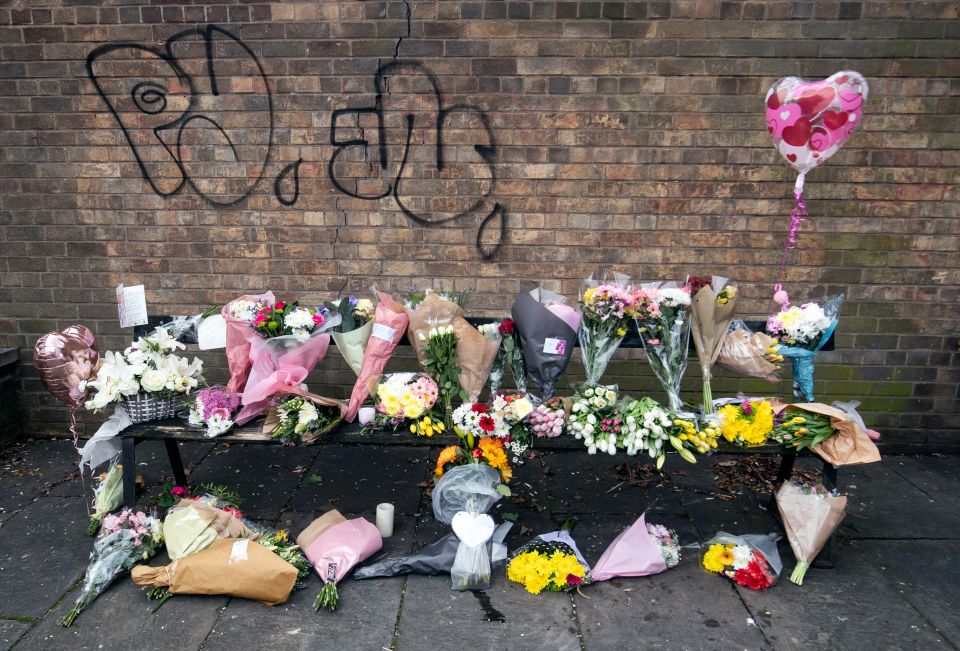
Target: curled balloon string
{"points": [[796, 219]]}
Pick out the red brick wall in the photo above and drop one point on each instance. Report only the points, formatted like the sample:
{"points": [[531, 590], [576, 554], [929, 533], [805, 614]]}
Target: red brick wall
{"points": [[622, 133]]}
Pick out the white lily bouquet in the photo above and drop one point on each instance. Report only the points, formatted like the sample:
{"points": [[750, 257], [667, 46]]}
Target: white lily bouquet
{"points": [[147, 377]]}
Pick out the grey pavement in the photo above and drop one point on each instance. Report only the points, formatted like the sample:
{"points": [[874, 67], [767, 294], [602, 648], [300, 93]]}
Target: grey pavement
{"points": [[893, 584]]}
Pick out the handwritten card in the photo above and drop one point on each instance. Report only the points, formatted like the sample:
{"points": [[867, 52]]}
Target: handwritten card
{"points": [[212, 333], [131, 305]]}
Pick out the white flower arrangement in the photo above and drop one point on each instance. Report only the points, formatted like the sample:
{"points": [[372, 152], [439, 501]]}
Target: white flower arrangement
{"points": [[647, 427], [595, 421], [300, 321], [673, 297], [148, 366], [799, 325], [476, 419]]}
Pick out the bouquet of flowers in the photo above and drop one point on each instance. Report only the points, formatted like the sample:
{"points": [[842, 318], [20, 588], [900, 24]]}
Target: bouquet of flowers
{"points": [[802, 332], [356, 325], [475, 419], [810, 515], [287, 343], [124, 540], [747, 423], [214, 408], [287, 320], [389, 325], [513, 410], [149, 366], [302, 419], [648, 427], [748, 353], [641, 549], [548, 330], [596, 419], [196, 521], [336, 551], [712, 306], [107, 496], [751, 560], [510, 352], [237, 567], [548, 562], [835, 433], [400, 397], [471, 450], [662, 313], [239, 315], [548, 419], [606, 310], [440, 360], [472, 474]]}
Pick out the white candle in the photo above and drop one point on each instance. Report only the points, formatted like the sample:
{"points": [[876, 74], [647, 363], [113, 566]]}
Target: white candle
{"points": [[366, 415], [385, 519]]}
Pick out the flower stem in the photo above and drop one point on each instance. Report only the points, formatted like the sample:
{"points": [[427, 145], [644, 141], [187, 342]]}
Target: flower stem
{"points": [[707, 398], [799, 572]]}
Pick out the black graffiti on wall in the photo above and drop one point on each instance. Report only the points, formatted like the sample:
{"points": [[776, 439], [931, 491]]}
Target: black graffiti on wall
{"points": [[199, 113]]}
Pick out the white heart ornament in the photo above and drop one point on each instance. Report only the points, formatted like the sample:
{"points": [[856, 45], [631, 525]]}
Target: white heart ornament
{"points": [[472, 529]]}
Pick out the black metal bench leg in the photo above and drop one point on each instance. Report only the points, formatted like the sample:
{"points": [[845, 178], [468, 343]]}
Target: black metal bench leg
{"points": [[785, 472], [176, 462], [831, 480], [129, 460]]}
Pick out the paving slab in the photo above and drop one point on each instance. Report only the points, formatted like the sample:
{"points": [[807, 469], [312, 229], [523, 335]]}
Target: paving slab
{"points": [[123, 618], [853, 606], [11, 631], [31, 469], [357, 478], [505, 616], [882, 504], [938, 477], [682, 608], [365, 620], [265, 476], [925, 575], [43, 550]]}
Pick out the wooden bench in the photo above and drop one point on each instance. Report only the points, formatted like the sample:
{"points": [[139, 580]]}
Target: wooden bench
{"points": [[175, 431]]}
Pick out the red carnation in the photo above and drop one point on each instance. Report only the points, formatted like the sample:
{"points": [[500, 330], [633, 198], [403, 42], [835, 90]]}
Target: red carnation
{"points": [[573, 579], [279, 305], [478, 408], [486, 423], [507, 327], [478, 453], [317, 319]]}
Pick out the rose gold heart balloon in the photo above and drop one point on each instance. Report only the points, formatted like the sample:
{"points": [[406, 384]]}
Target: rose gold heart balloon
{"points": [[63, 360]]}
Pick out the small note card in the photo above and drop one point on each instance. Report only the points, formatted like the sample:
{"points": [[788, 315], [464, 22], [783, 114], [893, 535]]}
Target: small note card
{"points": [[131, 305]]}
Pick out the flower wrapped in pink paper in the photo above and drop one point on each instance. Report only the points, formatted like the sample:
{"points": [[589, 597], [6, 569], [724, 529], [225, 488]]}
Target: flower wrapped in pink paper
{"points": [[389, 325], [640, 550], [338, 550]]}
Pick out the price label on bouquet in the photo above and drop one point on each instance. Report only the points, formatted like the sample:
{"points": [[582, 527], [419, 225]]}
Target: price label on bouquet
{"points": [[553, 346], [381, 331], [238, 552]]}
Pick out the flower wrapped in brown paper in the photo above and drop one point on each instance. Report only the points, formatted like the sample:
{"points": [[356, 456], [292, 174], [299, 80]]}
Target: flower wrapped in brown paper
{"points": [[329, 414], [810, 515], [744, 352], [433, 311], [229, 566], [712, 310], [475, 355], [850, 444]]}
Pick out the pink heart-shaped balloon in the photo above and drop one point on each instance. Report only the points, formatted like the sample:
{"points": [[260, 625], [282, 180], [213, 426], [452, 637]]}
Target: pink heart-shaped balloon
{"points": [[810, 120], [64, 359]]}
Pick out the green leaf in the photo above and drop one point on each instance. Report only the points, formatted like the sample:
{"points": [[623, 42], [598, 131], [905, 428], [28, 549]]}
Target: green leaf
{"points": [[504, 490], [509, 516], [314, 479]]}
